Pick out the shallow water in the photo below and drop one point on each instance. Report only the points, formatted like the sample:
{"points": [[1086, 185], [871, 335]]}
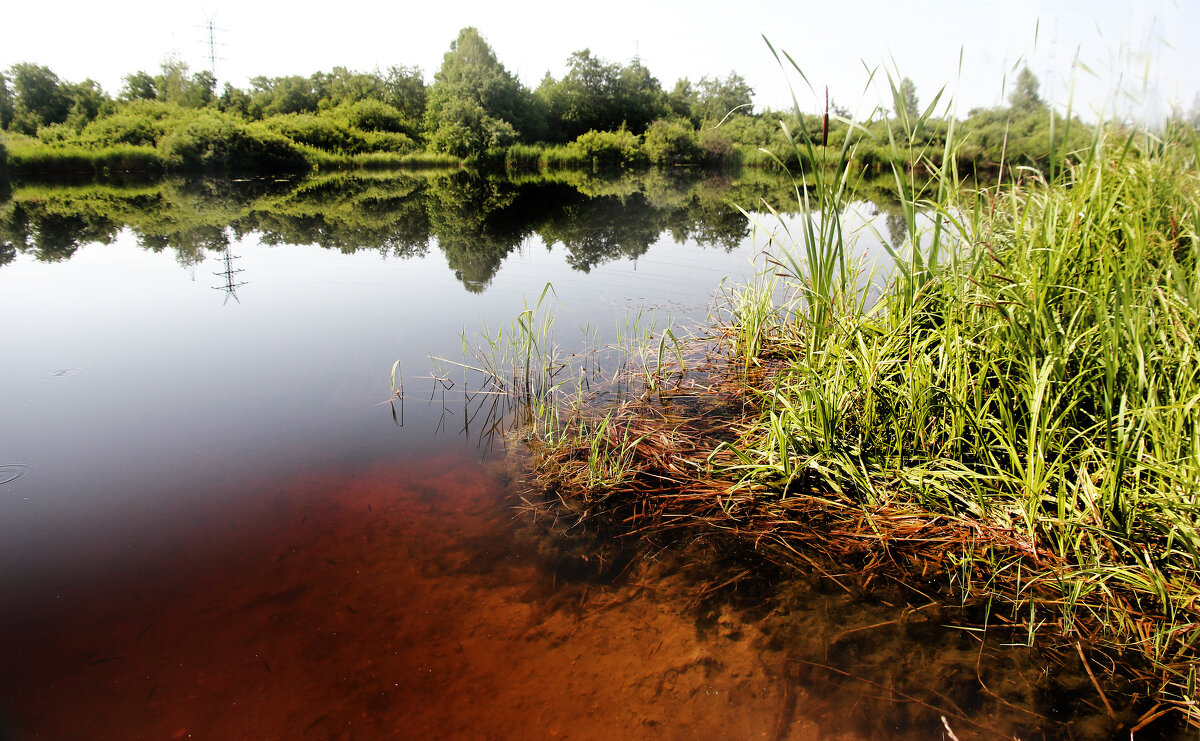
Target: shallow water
{"points": [[212, 524]]}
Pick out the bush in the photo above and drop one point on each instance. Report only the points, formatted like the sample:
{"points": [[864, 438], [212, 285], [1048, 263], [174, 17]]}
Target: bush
{"points": [[141, 123], [316, 131], [462, 128], [387, 141], [716, 146], [215, 142], [611, 150], [671, 142], [55, 133], [372, 115]]}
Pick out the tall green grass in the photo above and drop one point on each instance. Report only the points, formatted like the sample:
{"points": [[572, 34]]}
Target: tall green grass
{"points": [[1030, 370]]}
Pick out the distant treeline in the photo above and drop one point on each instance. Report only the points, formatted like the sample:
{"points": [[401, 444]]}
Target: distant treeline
{"points": [[599, 115]]}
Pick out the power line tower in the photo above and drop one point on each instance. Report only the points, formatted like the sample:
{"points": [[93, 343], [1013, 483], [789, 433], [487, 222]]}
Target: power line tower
{"points": [[211, 29], [230, 276]]}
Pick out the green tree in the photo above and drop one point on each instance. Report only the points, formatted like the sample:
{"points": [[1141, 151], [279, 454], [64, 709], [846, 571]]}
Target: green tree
{"points": [[234, 100], [716, 98], [6, 102], [596, 95], [680, 100], [1024, 96], [88, 102], [906, 101], [404, 90], [291, 94], [475, 103], [138, 86], [38, 98], [582, 100], [640, 97]]}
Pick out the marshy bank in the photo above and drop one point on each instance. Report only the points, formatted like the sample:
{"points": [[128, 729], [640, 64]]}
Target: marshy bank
{"points": [[1005, 434]]}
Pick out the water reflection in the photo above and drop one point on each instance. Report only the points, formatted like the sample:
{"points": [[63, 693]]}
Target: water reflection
{"points": [[475, 220]]}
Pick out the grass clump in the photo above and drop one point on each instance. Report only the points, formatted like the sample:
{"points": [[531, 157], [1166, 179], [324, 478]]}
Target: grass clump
{"points": [[1012, 416], [1030, 375]]}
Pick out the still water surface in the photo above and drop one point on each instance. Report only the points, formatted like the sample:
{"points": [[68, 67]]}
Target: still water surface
{"points": [[218, 529]]}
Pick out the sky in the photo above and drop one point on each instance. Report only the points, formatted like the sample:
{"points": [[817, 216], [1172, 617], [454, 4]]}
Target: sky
{"points": [[1132, 59]]}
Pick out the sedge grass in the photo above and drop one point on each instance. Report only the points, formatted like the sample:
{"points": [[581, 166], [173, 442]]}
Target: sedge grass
{"points": [[1030, 372], [1016, 411]]}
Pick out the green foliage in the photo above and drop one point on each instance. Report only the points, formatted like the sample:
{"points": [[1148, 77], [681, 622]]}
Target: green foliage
{"points": [[601, 96], [138, 86], [1028, 372], [39, 98], [32, 157], [215, 142], [374, 115], [461, 127], [138, 123], [1024, 96], [611, 150], [1002, 137], [475, 104], [525, 157], [88, 102], [671, 142], [640, 99], [906, 104], [174, 83], [316, 131], [234, 100], [715, 98], [402, 89], [6, 102], [280, 95]]}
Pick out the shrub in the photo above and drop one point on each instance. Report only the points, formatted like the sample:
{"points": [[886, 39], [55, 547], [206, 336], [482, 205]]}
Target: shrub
{"points": [[386, 141], [372, 115], [671, 142], [611, 150], [138, 123], [316, 131], [55, 133], [715, 146], [215, 142]]}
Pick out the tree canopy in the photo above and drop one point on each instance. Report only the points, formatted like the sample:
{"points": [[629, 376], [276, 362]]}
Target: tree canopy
{"points": [[1025, 96], [475, 104]]}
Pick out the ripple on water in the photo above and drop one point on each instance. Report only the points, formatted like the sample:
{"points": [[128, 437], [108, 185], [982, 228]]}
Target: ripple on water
{"points": [[10, 472]]}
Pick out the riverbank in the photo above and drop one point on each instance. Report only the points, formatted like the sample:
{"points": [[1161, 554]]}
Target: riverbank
{"points": [[1008, 422]]}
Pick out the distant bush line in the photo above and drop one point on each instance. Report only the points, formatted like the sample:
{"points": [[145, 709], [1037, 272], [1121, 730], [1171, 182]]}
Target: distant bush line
{"points": [[599, 116]]}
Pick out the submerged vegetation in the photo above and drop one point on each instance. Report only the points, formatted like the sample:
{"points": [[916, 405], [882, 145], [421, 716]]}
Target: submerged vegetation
{"points": [[1007, 420]]}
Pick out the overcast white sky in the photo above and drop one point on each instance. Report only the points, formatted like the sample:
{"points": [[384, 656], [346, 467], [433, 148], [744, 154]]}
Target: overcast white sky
{"points": [[1148, 50]]}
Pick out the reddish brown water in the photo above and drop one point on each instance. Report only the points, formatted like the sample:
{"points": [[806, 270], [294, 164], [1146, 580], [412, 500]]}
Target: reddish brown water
{"points": [[394, 602]]}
